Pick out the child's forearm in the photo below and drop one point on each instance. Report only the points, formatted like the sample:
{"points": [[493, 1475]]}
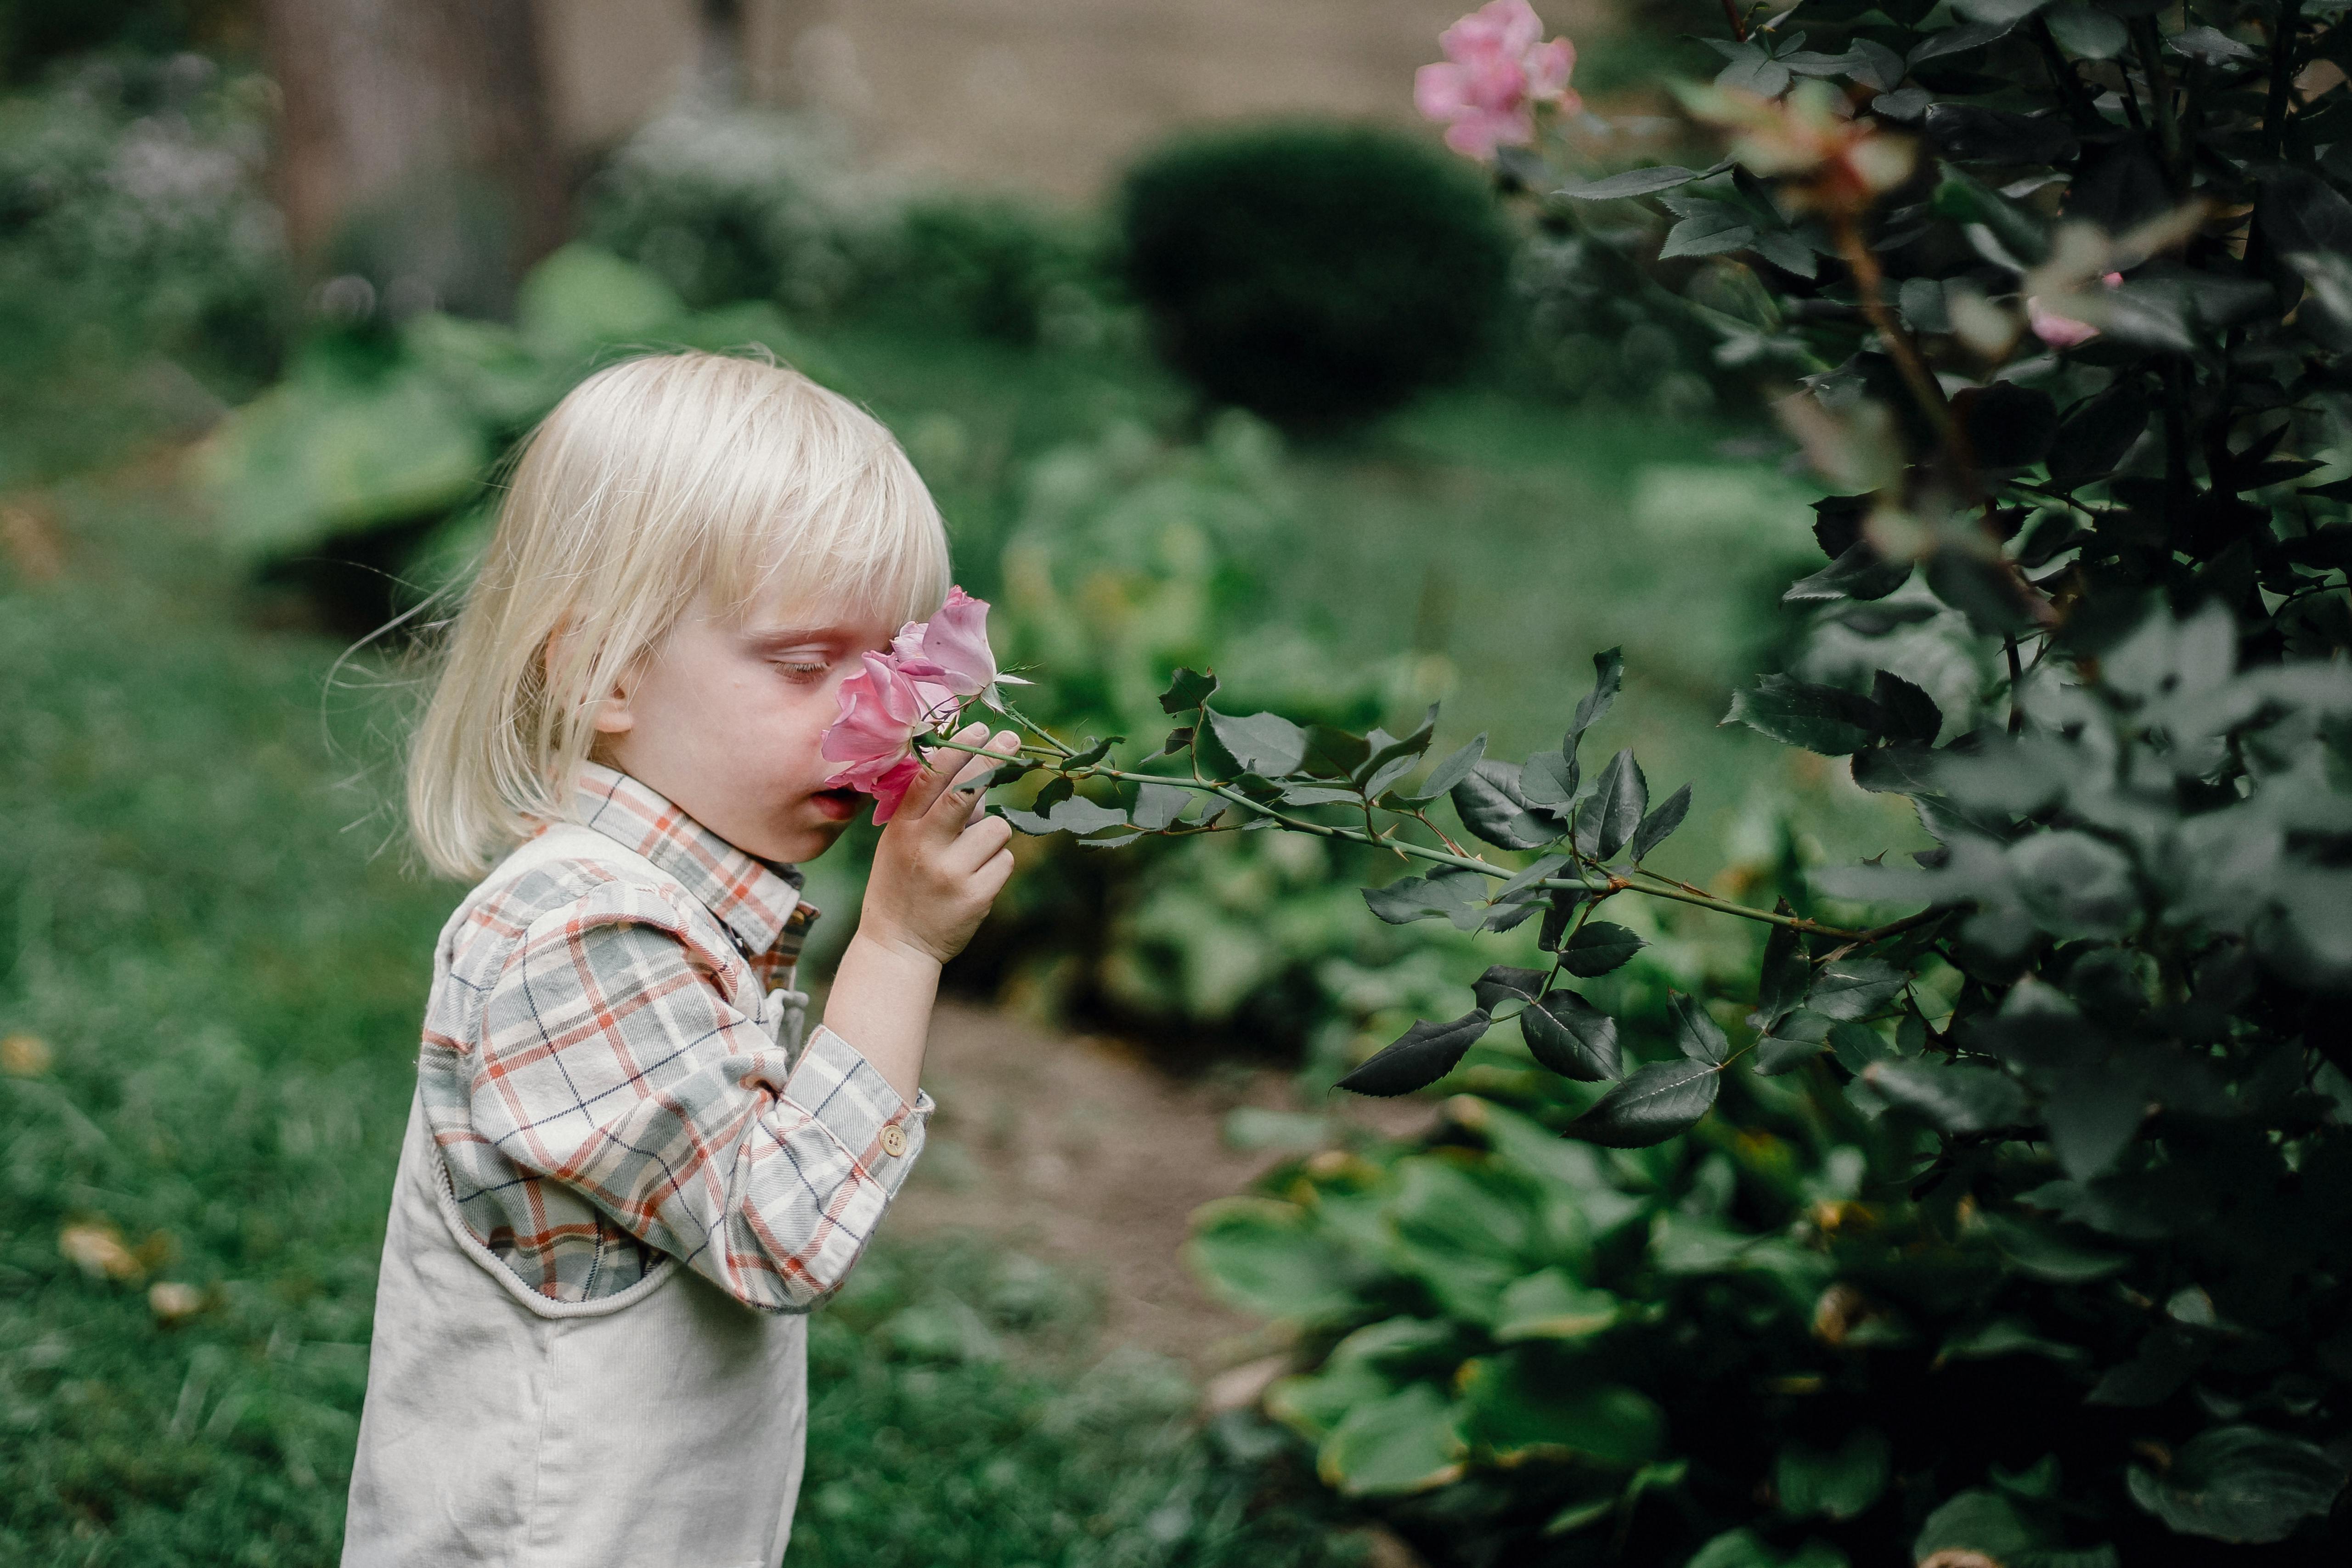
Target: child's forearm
{"points": [[881, 1003]]}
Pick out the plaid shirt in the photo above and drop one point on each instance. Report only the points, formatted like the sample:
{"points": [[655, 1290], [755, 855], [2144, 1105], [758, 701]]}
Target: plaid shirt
{"points": [[598, 1078]]}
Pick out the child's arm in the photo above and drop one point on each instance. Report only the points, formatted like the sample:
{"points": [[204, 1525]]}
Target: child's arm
{"points": [[935, 873]]}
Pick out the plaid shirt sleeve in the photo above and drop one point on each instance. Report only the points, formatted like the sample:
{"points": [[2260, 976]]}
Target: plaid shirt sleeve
{"points": [[613, 1062]]}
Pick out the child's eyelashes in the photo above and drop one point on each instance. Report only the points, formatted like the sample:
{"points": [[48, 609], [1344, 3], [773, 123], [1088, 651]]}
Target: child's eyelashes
{"points": [[803, 670]]}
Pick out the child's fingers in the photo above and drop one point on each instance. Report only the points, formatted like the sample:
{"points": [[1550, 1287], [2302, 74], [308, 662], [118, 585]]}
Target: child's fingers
{"points": [[977, 844], [943, 766], [972, 781]]}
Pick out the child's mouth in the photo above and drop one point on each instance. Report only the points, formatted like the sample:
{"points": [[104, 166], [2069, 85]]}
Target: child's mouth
{"points": [[840, 804]]}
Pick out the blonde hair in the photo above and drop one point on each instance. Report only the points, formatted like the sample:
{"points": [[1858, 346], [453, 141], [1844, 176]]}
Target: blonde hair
{"points": [[657, 483]]}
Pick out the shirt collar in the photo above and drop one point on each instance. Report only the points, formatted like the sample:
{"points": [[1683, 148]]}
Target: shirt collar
{"points": [[760, 902]]}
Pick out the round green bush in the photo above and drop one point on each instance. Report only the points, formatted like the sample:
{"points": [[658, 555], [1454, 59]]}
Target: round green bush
{"points": [[1316, 274]]}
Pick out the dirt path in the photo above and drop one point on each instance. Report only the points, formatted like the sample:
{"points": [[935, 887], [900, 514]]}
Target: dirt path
{"points": [[1077, 1150]]}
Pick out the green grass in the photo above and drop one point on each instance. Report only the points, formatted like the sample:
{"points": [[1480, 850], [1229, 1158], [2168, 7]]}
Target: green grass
{"points": [[224, 970]]}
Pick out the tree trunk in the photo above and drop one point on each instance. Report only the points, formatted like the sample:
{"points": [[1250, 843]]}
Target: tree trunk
{"points": [[416, 145]]}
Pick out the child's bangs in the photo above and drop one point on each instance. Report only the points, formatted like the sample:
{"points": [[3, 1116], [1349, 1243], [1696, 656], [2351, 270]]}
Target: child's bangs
{"points": [[863, 541]]}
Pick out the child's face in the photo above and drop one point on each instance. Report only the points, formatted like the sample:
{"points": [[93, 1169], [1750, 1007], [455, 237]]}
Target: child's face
{"points": [[725, 719]]}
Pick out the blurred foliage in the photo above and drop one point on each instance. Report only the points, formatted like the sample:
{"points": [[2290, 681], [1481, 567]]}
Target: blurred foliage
{"points": [[210, 970], [136, 247], [2017, 1235], [35, 35], [1315, 275]]}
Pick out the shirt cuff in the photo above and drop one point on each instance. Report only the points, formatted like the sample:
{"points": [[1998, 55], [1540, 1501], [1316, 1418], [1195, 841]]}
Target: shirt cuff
{"points": [[856, 1104]]}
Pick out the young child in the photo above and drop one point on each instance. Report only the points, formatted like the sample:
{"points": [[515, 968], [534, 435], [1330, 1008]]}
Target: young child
{"points": [[627, 1176]]}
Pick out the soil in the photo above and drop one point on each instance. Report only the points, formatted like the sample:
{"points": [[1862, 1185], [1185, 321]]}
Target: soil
{"points": [[1078, 1151]]}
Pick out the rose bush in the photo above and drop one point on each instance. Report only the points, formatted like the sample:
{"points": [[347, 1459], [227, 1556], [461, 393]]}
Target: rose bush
{"points": [[2001, 1215]]}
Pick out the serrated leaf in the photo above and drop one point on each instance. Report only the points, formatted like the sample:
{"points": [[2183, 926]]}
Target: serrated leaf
{"points": [[1549, 778], [1907, 713], [1794, 1040], [1858, 574], [1608, 675], [1452, 771], [1696, 1034], [1660, 824], [1095, 752], [1074, 814], [1571, 1036], [1632, 183], [1565, 902], [1502, 984], [1781, 986], [1157, 805], [1418, 1058], [1267, 744], [1178, 740], [1656, 1103], [1488, 808], [1821, 719], [1717, 227], [1950, 1098], [1597, 948], [1610, 812], [1410, 899], [1529, 875], [1387, 753], [1851, 987], [1186, 691]]}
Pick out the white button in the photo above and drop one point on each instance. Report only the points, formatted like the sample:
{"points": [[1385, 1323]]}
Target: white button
{"points": [[893, 1139]]}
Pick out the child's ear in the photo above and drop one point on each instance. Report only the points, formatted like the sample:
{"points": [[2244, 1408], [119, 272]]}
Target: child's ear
{"points": [[613, 716]]}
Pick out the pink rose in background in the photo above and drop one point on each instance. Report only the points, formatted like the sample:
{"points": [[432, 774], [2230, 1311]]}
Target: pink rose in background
{"points": [[916, 688], [1494, 72], [2063, 331]]}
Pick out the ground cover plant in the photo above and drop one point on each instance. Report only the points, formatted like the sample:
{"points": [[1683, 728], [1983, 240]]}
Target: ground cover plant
{"points": [[211, 973], [1997, 1214]]}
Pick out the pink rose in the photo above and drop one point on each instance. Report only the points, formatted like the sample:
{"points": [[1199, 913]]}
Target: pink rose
{"points": [[1494, 73], [2063, 331], [951, 649], [880, 710]]}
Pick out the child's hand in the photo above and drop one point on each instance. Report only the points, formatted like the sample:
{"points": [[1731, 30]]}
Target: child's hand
{"points": [[940, 864]]}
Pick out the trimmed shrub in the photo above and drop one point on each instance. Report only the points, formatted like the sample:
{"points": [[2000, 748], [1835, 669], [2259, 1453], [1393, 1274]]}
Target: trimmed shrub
{"points": [[1316, 274]]}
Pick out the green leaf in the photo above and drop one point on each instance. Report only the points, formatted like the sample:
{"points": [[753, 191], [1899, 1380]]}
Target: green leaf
{"points": [[2021, 232], [1660, 825], [1334, 753], [1452, 771], [1952, 1099], [2239, 1484], [2087, 31], [2005, 1337], [1405, 1443], [1418, 1058], [1095, 752], [1565, 902], [1608, 675], [1179, 740], [1549, 779], [1746, 1549], [1598, 947], [1389, 760], [1410, 899], [1979, 1519], [1266, 744], [1848, 988], [1503, 983], [1156, 805], [1571, 1036], [1187, 690], [1795, 1040], [1839, 1483], [1318, 794], [1552, 1305], [1490, 809], [1821, 719], [1610, 812], [1786, 971], [1712, 229], [1075, 814], [2044, 1251], [1656, 1103], [1520, 1404], [1272, 1258], [1696, 1034], [1529, 875], [1632, 183], [1858, 574], [1908, 713]]}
